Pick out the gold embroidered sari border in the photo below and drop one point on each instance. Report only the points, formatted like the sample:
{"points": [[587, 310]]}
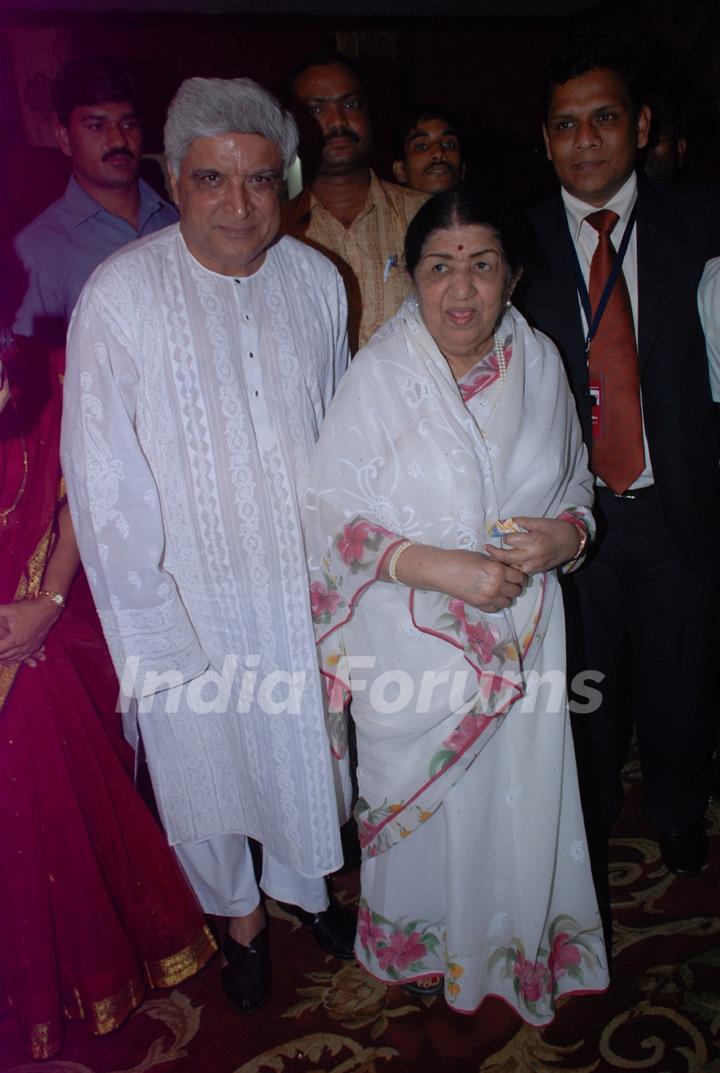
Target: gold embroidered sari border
{"points": [[172, 970], [45, 1040], [105, 1015]]}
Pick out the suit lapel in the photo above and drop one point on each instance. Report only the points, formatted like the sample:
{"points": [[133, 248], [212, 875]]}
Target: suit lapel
{"points": [[658, 248], [559, 254]]}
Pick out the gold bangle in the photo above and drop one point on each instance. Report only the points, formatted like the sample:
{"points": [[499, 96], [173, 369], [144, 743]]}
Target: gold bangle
{"points": [[584, 540], [392, 564], [57, 597]]}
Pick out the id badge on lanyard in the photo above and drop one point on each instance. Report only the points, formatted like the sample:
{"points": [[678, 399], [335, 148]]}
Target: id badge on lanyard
{"points": [[597, 392], [596, 380]]}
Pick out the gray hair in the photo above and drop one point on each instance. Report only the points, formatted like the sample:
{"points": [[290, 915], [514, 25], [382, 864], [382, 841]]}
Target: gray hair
{"points": [[205, 107]]}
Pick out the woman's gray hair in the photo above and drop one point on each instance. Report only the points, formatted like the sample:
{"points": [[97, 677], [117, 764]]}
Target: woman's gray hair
{"points": [[205, 107]]}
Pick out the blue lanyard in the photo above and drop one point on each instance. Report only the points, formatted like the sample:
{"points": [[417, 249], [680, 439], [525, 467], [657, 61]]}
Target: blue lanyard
{"points": [[593, 322]]}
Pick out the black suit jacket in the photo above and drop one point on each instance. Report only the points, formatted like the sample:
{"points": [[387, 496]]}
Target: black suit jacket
{"points": [[678, 229]]}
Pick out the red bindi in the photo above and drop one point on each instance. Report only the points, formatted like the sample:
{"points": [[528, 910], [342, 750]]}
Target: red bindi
{"points": [[461, 247]]}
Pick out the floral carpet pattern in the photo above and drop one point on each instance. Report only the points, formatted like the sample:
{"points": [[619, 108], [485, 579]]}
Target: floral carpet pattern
{"points": [[661, 1014]]}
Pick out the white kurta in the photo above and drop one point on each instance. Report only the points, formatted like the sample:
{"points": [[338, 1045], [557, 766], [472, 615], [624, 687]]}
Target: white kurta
{"points": [[192, 404]]}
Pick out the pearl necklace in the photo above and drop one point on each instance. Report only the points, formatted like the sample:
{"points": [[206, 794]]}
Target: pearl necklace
{"points": [[499, 352]]}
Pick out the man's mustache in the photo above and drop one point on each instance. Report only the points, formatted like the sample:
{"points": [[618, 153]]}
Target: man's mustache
{"points": [[437, 164], [340, 132], [119, 151]]}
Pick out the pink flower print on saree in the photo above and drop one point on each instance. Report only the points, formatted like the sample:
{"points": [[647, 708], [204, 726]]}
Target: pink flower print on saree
{"points": [[369, 933], [533, 978], [573, 952], [563, 954], [370, 821], [458, 742], [401, 951], [463, 735], [479, 637], [324, 600], [361, 544], [485, 373], [482, 640], [351, 544], [457, 610]]}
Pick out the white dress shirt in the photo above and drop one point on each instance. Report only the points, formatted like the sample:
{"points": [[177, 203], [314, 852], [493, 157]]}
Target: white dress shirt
{"points": [[585, 239]]}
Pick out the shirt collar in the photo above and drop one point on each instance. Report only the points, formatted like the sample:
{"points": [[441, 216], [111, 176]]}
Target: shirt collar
{"points": [[306, 201], [300, 206], [81, 206], [376, 195], [621, 203], [150, 202]]}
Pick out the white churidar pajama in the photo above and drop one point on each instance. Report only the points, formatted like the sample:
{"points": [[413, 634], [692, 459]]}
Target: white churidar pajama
{"points": [[220, 870]]}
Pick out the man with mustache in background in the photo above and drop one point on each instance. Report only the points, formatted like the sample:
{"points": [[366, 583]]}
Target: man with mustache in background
{"points": [[428, 154], [105, 205], [347, 212]]}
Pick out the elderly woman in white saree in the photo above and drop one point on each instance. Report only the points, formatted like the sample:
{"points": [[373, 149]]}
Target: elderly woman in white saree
{"points": [[449, 483]]}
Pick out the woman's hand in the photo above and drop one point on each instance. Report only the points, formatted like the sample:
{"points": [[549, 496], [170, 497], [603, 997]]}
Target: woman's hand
{"points": [[466, 575], [23, 629], [548, 542], [480, 582]]}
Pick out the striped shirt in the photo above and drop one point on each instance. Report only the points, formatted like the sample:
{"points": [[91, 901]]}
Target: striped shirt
{"points": [[368, 254]]}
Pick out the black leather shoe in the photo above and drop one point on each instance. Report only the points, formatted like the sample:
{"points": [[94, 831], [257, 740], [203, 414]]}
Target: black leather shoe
{"points": [[333, 929], [684, 849], [246, 977]]}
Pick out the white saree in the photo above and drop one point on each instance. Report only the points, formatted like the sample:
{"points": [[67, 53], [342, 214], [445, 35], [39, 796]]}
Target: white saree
{"points": [[474, 849], [192, 404]]}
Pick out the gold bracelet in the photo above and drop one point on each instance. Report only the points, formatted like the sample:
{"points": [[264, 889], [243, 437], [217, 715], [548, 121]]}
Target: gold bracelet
{"points": [[584, 540], [392, 564], [57, 597]]}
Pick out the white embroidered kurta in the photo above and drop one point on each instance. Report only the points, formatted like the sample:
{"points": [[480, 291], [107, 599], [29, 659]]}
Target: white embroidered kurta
{"points": [[192, 404]]}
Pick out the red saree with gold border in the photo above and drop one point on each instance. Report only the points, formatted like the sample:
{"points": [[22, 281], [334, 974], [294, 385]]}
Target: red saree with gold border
{"points": [[93, 906]]}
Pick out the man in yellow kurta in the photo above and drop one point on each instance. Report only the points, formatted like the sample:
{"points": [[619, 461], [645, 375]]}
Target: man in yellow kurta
{"points": [[347, 212]]}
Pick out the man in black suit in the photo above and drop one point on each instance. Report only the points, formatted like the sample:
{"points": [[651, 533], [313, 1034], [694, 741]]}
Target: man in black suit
{"points": [[647, 599]]}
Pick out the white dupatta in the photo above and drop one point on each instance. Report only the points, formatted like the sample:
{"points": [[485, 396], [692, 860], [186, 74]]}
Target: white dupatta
{"points": [[400, 455]]}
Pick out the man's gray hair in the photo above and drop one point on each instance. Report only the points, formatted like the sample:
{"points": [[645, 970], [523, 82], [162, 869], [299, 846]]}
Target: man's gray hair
{"points": [[205, 107]]}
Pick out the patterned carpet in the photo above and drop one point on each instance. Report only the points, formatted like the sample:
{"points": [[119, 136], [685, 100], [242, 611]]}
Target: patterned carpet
{"points": [[661, 1015]]}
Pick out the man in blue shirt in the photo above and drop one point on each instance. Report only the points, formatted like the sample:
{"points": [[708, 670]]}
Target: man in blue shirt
{"points": [[105, 205]]}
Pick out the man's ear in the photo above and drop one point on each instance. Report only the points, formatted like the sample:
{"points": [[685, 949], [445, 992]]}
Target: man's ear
{"points": [[399, 172], [547, 143], [62, 137], [643, 126], [172, 184]]}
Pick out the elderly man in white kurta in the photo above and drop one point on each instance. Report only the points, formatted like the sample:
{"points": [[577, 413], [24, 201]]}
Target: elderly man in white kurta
{"points": [[200, 364]]}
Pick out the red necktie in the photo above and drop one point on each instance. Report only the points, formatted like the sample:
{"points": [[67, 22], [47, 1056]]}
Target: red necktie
{"points": [[618, 457]]}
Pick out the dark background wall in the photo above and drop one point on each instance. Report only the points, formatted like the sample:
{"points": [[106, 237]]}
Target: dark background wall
{"points": [[487, 69]]}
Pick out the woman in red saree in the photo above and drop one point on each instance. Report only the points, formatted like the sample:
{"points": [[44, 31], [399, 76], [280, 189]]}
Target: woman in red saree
{"points": [[93, 906]]}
